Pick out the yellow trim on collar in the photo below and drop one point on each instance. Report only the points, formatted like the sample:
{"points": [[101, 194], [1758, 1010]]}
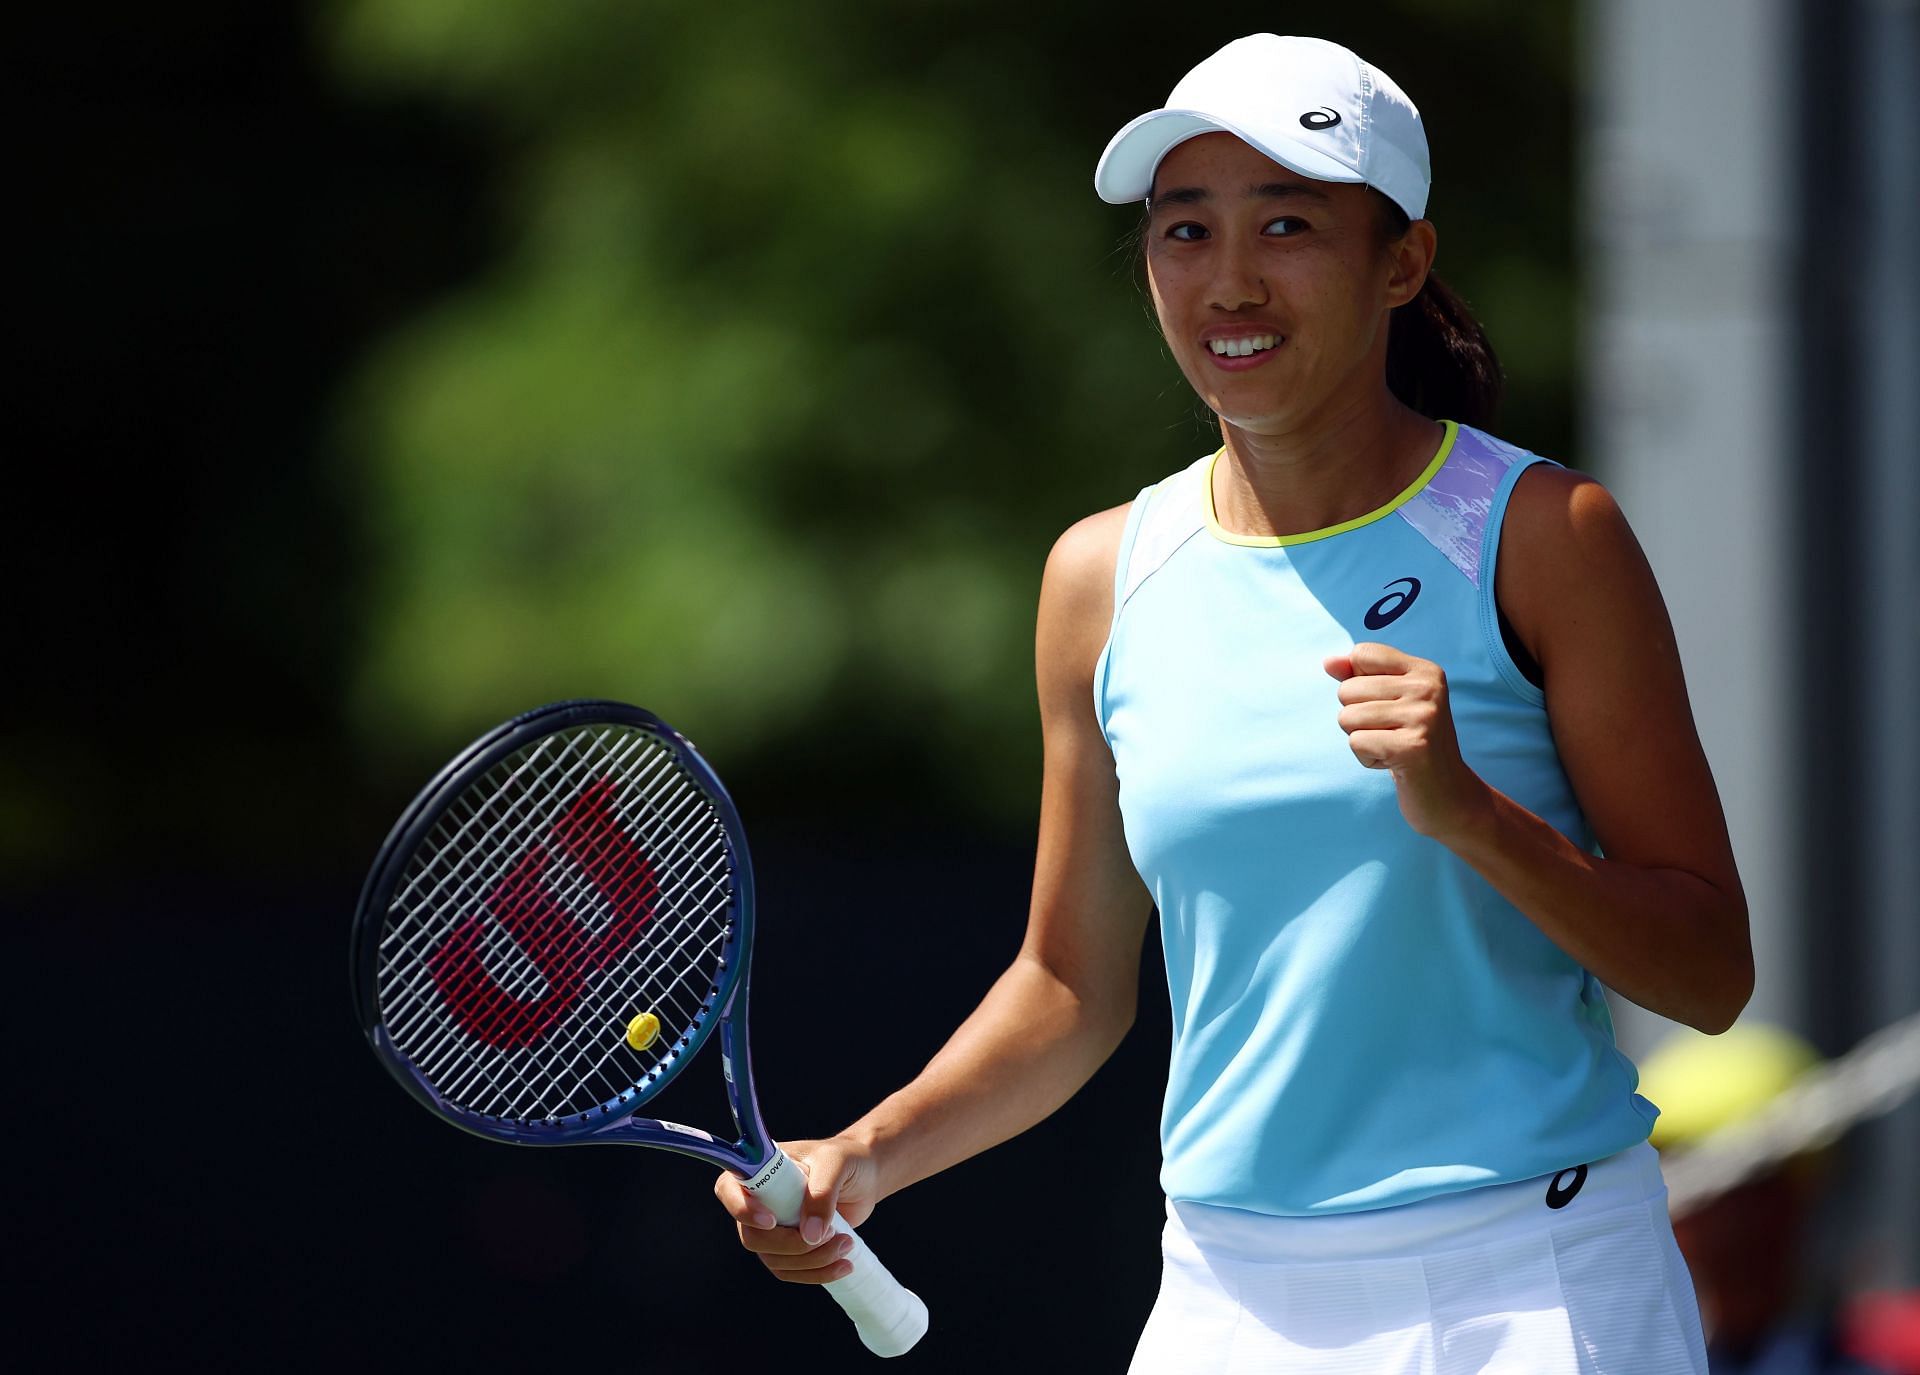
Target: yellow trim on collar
{"points": [[1274, 541]]}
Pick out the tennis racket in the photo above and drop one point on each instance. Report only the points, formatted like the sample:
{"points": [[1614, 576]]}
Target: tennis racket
{"points": [[554, 928]]}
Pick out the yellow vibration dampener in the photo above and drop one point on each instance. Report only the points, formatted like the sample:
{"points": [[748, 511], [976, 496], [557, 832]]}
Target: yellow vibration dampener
{"points": [[642, 1029]]}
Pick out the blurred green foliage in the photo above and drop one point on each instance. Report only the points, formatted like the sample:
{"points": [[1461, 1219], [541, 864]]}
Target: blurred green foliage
{"points": [[810, 335]]}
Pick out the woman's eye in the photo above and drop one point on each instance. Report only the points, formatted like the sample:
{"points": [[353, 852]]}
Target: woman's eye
{"points": [[1189, 232]]}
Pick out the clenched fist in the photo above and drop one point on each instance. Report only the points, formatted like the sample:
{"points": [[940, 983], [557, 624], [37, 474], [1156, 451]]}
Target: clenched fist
{"points": [[1394, 710]]}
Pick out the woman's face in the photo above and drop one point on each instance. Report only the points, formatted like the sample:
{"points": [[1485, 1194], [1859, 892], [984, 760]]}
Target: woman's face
{"points": [[1273, 289]]}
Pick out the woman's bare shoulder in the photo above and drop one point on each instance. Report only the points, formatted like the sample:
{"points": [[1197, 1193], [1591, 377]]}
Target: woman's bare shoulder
{"points": [[1076, 592], [1090, 543], [1555, 512], [1080, 568], [1565, 541]]}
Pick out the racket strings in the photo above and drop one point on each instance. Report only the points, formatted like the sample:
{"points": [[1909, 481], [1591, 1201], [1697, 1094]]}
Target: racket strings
{"points": [[583, 880], [694, 943], [471, 834], [526, 1077], [491, 819], [453, 854], [576, 893], [526, 907], [570, 894], [540, 922]]}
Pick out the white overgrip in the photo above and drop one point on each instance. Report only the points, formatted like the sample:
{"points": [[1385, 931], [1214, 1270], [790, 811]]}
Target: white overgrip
{"points": [[889, 1317]]}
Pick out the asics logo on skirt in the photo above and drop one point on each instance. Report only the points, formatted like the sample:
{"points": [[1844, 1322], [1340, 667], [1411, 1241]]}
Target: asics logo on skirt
{"points": [[1560, 1197]]}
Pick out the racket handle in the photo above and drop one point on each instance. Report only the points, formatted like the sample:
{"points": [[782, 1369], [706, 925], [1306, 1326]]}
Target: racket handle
{"points": [[889, 1317]]}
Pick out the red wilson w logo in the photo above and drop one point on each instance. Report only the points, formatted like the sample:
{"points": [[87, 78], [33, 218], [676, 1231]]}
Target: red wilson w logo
{"points": [[552, 939]]}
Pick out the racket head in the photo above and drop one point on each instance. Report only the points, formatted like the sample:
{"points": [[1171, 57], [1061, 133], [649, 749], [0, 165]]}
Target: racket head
{"points": [[572, 869]]}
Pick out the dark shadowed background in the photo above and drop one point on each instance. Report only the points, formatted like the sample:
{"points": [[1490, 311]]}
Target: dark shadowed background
{"points": [[391, 367]]}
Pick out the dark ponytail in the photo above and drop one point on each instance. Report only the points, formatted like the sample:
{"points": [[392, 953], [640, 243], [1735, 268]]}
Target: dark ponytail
{"points": [[1439, 360]]}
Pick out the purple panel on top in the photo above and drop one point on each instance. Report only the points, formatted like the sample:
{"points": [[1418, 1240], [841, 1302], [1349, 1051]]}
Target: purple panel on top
{"points": [[1451, 510]]}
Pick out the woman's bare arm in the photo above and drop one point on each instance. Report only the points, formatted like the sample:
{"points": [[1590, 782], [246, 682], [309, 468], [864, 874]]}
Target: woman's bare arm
{"points": [[1662, 918], [1060, 1009], [1064, 1003]]}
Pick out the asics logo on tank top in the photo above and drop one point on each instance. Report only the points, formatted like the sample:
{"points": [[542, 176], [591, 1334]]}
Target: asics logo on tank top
{"points": [[1558, 1197], [1389, 608], [1322, 118]]}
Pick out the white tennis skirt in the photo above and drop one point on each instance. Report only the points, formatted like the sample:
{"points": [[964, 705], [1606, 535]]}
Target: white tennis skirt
{"points": [[1568, 1274]]}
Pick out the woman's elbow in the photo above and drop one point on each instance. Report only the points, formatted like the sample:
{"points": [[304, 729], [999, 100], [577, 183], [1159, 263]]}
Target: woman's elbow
{"points": [[1734, 988], [1738, 996]]}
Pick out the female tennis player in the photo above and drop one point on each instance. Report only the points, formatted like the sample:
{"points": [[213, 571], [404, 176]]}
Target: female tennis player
{"points": [[1357, 701]]}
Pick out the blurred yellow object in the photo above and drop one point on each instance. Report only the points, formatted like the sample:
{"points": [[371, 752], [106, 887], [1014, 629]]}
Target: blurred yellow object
{"points": [[642, 1029], [1702, 1083]]}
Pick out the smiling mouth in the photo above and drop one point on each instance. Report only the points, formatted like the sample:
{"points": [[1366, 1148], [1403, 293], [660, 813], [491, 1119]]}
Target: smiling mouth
{"points": [[1241, 348]]}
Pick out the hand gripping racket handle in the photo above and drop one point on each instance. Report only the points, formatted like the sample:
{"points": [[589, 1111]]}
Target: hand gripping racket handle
{"points": [[890, 1317]]}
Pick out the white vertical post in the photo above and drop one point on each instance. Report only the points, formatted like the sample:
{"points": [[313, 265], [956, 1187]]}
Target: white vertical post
{"points": [[1687, 212]]}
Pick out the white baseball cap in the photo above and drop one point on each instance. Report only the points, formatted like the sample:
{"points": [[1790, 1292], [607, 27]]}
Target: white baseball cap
{"points": [[1310, 105]]}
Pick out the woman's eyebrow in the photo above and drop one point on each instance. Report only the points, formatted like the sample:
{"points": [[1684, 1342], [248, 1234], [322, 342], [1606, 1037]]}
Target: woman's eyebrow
{"points": [[1286, 190], [1272, 190]]}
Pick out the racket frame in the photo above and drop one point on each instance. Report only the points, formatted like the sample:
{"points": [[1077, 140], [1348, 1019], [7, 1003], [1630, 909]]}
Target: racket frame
{"points": [[615, 1121]]}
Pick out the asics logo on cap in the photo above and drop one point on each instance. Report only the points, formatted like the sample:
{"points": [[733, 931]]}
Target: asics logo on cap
{"points": [[1322, 118]]}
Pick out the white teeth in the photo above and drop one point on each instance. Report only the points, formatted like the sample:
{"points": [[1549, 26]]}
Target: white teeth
{"points": [[1240, 348]]}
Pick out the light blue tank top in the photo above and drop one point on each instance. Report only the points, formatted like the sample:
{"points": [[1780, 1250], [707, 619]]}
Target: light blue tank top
{"points": [[1359, 1019]]}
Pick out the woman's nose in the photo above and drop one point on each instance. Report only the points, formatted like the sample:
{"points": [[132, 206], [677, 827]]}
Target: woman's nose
{"points": [[1237, 282]]}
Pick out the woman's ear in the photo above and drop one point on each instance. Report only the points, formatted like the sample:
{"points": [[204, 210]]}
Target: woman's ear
{"points": [[1411, 258]]}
